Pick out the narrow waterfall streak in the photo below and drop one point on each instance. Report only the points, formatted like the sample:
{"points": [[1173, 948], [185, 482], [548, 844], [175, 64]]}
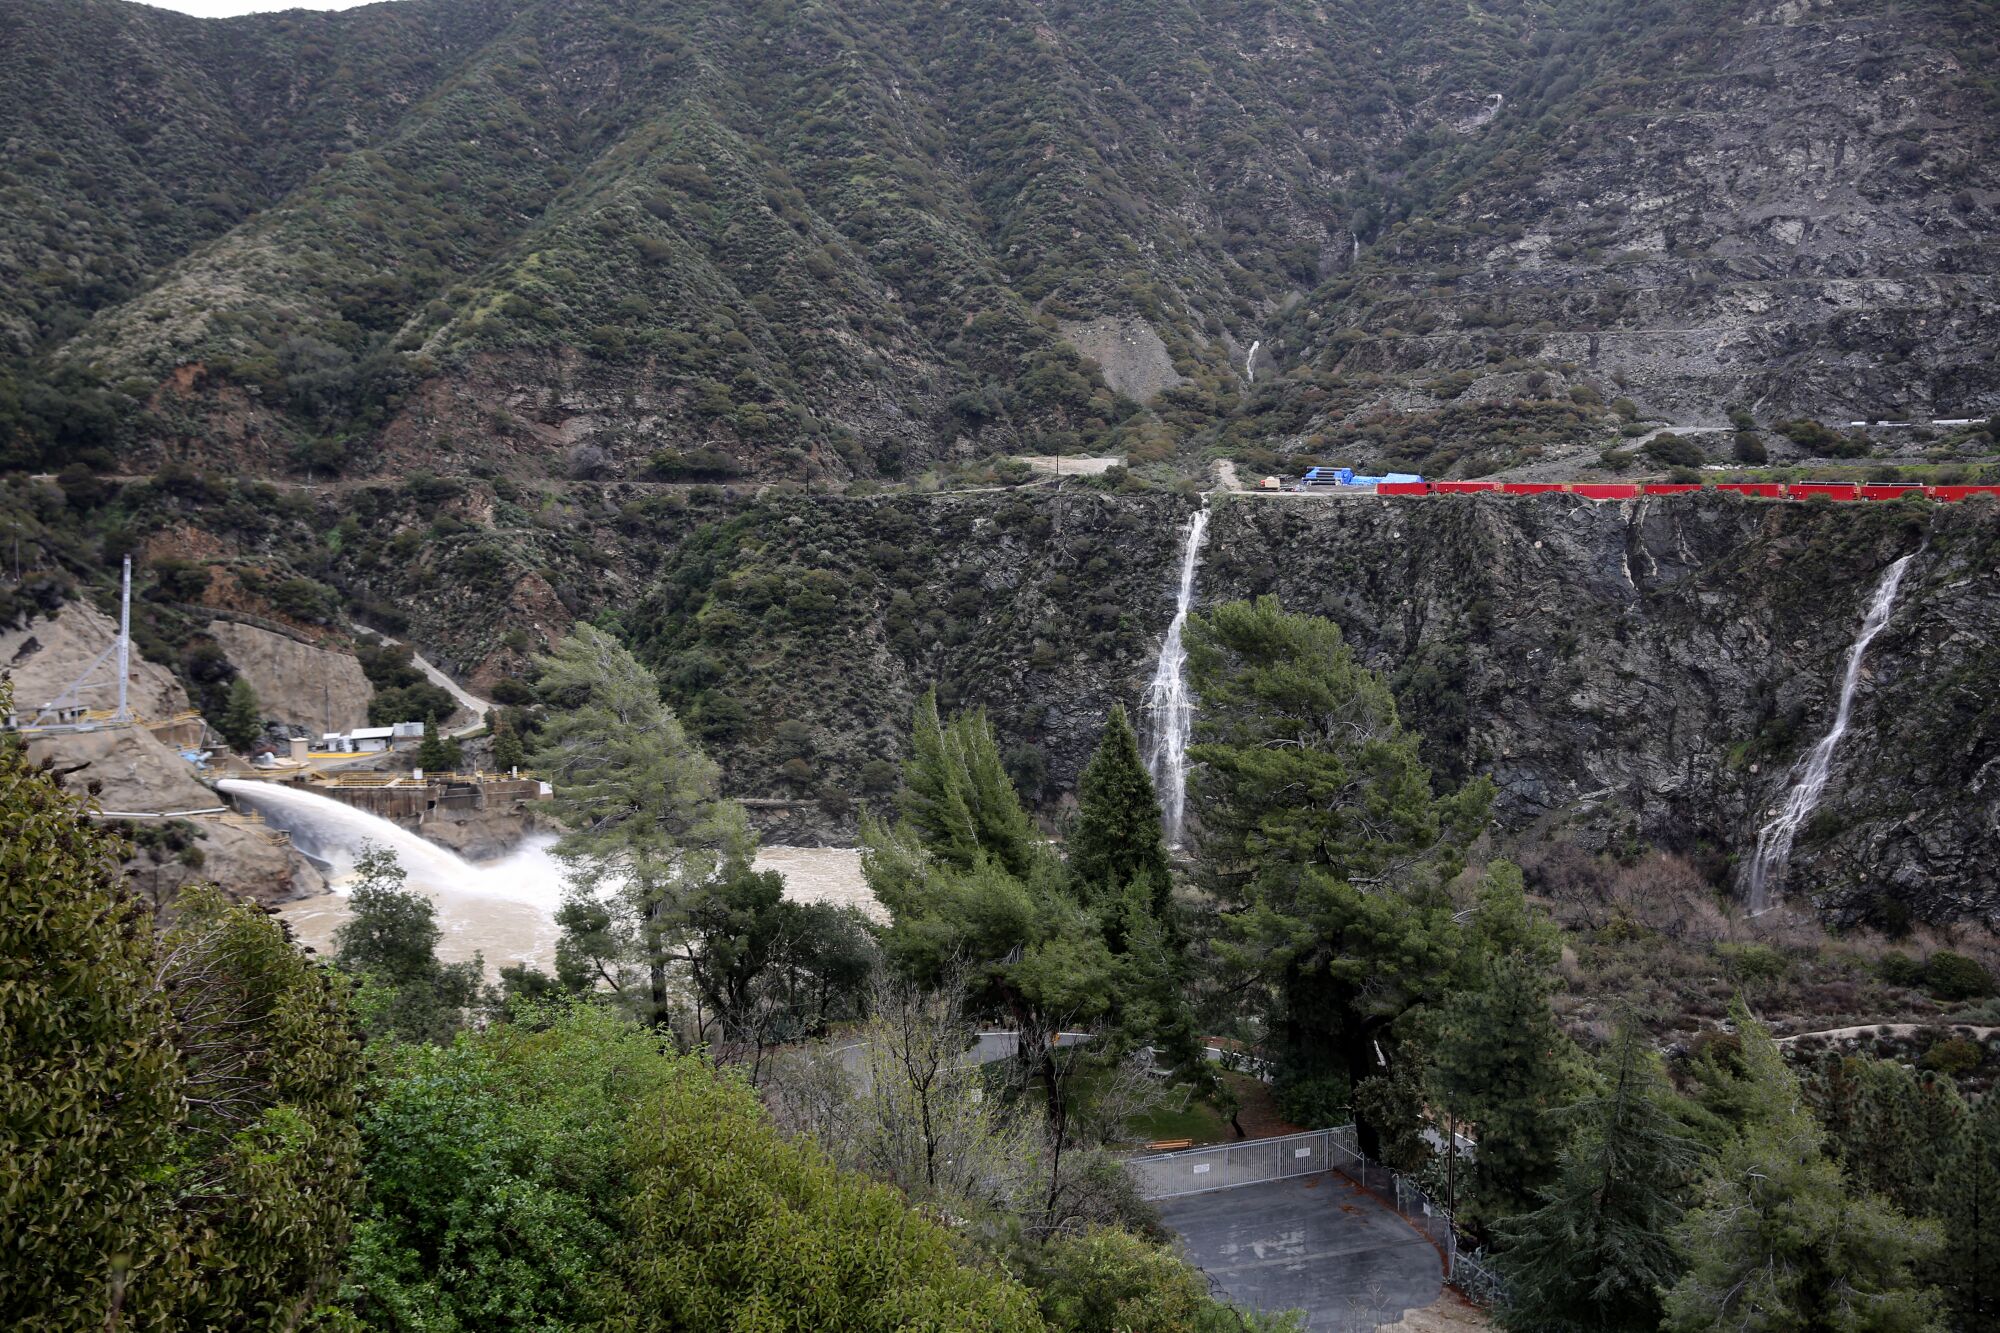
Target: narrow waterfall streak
{"points": [[1250, 364], [1774, 840], [1168, 703]]}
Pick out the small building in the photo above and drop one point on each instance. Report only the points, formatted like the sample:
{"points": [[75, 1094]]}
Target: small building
{"points": [[370, 740]]}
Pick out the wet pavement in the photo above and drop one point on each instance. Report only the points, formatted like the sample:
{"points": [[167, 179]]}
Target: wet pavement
{"points": [[1312, 1243]]}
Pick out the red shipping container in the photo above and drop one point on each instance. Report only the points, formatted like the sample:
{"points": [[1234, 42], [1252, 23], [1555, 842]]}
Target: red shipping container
{"points": [[1950, 493], [1592, 491], [1403, 488], [1532, 487], [1671, 487], [1763, 490], [1889, 490], [1460, 487], [1803, 490]]}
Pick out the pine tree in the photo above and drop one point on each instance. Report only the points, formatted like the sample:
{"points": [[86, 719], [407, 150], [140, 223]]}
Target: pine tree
{"points": [[1115, 839], [1321, 840], [508, 752], [1502, 1063], [1971, 1210], [1779, 1243], [435, 754], [1597, 1254], [242, 720], [647, 819]]}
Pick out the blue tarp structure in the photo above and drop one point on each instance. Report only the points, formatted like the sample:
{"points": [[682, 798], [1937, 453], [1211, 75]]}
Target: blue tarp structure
{"points": [[1345, 476]]}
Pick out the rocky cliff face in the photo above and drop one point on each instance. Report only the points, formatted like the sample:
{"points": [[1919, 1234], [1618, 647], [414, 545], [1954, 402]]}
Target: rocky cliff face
{"points": [[1657, 668], [297, 683]]}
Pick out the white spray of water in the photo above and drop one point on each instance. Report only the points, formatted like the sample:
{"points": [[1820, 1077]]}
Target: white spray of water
{"points": [[1250, 364], [1774, 840], [1168, 704], [504, 909]]}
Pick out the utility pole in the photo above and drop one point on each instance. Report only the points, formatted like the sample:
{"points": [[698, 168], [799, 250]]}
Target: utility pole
{"points": [[124, 713]]}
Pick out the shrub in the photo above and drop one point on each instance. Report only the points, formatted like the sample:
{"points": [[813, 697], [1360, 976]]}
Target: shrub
{"points": [[1899, 969], [1954, 1056], [1672, 450], [1953, 976]]}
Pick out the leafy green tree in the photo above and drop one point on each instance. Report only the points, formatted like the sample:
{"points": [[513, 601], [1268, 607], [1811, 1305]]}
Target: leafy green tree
{"points": [[769, 970], [494, 1184], [89, 1083], [958, 799], [647, 819], [1598, 1253], [266, 1157], [732, 1227], [1320, 837], [1502, 1063], [176, 1113], [1106, 1278], [389, 945], [1779, 1243], [243, 719]]}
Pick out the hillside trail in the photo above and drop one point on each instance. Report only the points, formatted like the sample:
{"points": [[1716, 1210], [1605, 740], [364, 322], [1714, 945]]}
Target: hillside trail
{"points": [[1889, 1029], [467, 700]]}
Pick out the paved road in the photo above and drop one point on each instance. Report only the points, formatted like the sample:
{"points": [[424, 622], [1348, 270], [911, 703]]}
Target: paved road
{"points": [[1312, 1243]]}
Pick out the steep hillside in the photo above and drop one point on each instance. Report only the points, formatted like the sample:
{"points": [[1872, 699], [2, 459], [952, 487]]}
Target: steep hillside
{"points": [[662, 239]]}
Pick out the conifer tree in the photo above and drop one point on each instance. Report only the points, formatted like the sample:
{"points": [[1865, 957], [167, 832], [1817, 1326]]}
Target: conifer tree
{"points": [[1971, 1210], [1598, 1253], [1115, 840], [242, 719], [1779, 1243], [508, 752], [646, 815], [1321, 839], [1502, 1063], [435, 754]]}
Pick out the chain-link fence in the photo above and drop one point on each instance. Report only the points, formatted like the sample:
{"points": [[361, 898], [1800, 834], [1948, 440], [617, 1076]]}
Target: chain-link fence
{"points": [[1200, 1170]]}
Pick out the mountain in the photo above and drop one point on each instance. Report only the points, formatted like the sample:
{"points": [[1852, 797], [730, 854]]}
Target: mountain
{"points": [[674, 240]]}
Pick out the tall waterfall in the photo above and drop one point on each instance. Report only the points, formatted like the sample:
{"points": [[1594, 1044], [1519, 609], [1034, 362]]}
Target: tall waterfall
{"points": [[1774, 840], [1168, 705], [332, 832], [1250, 364]]}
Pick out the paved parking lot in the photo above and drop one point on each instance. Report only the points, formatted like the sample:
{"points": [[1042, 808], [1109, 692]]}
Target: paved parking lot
{"points": [[1312, 1243]]}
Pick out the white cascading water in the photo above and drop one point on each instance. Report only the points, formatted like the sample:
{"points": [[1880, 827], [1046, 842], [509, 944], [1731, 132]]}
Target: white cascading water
{"points": [[1250, 364], [504, 909], [1774, 840], [1168, 704]]}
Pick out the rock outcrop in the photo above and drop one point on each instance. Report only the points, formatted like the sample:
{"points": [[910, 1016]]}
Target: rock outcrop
{"points": [[296, 682], [46, 655], [1658, 667]]}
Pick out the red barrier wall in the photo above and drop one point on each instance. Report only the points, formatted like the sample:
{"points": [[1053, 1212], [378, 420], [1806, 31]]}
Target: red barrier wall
{"points": [[1800, 490], [1671, 487], [1951, 493], [1460, 487], [1764, 490], [1889, 490], [1609, 492], [1531, 487], [1403, 488]]}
